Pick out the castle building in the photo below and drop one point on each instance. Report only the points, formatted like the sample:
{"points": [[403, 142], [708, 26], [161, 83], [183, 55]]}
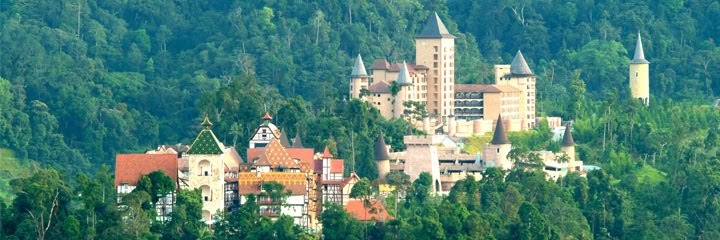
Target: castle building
{"points": [[640, 74], [460, 109]]}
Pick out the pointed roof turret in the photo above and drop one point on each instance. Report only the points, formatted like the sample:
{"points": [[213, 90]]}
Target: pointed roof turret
{"points": [[500, 136], [434, 28], [359, 68], [284, 141], [326, 153], [404, 76], [206, 123], [639, 53], [206, 142], [567, 140], [410, 131], [381, 148], [519, 66], [297, 143], [267, 116]]}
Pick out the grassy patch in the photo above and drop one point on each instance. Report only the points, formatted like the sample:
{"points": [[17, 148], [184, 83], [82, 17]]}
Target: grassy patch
{"points": [[648, 174], [475, 143], [11, 169]]}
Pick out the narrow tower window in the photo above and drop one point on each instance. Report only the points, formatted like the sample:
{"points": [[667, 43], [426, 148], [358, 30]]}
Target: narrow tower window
{"points": [[637, 74]]}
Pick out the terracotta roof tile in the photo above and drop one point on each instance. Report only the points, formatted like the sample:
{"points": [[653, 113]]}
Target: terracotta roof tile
{"points": [[250, 182], [337, 166], [380, 64], [130, 167], [470, 87], [379, 87], [374, 212]]}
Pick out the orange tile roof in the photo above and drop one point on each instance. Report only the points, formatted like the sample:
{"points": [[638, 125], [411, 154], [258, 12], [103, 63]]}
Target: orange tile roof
{"points": [[305, 155], [374, 212], [337, 166], [249, 182], [130, 167]]}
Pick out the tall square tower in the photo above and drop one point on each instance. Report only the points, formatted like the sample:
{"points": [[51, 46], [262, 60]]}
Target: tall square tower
{"points": [[435, 48]]}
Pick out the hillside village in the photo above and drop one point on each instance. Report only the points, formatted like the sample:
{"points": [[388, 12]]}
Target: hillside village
{"points": [[287, 178]]}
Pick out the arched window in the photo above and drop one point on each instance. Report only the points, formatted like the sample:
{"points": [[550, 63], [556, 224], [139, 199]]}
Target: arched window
{"points": [[205, 168], [206, 193]]}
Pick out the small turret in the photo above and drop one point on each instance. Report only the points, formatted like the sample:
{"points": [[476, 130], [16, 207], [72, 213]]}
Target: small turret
{"points": [[568, 147], [500, 136], [381, 156], [404, 76], [297, 142], [519, 66], [358, 78], [284, 141]]}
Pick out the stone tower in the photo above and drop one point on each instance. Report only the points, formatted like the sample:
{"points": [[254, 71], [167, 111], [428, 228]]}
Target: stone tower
{"points": [[640, 74], [521, 77], [568, 147], [206, 171], [495, 153], [359, 79], [435, 48], [381, 157], [406, 88]]}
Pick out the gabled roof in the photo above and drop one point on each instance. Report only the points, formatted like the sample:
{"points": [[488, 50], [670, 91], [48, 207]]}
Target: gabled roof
{"points": [[404, 76], [434, 28], [519, 66], [470, 87], [297, 143], [359, 68], [381, 148], [130, 167], [379, 87], [499, 136], [305, 155], [639, 53], [275, 156], [380, 64], [374, 212], [284, 139], [206, 142], [567, 140]]}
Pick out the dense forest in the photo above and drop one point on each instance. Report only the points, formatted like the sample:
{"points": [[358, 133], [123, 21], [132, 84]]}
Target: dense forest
{"points": [[82, 80]]}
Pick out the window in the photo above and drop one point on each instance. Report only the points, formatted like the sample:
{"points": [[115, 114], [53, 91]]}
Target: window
{"points": [[436, 48], [435, 56], [637, 74]]}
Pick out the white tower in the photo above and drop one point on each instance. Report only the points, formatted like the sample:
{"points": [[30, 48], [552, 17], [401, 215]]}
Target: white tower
{"points": [[640, 75], [358, 78]]}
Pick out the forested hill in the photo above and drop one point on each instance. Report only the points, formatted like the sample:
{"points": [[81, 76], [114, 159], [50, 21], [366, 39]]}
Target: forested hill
{"points": [[83, 80]]}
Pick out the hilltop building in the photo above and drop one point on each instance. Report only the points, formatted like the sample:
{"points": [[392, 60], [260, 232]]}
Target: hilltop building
{"points": [[640, 74], [455, 109], [309, 179]]}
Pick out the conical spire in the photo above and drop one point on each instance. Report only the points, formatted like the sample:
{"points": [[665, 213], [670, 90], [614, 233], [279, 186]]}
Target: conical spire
{"points": [[434, 28], [206, 123], [381, 149], [297, 143], [359, 68], [326, 153], [410, 131], [284, 141], [639, 53], [404, 76], [500, 136], [567, 140], [519, 66]]}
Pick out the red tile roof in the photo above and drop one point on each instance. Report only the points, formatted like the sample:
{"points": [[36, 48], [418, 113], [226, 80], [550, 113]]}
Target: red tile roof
{"points": [[130, 167], [374, 212], [337, 166], [379, 87], [326, 153], [380, 64], [305, 155]]}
